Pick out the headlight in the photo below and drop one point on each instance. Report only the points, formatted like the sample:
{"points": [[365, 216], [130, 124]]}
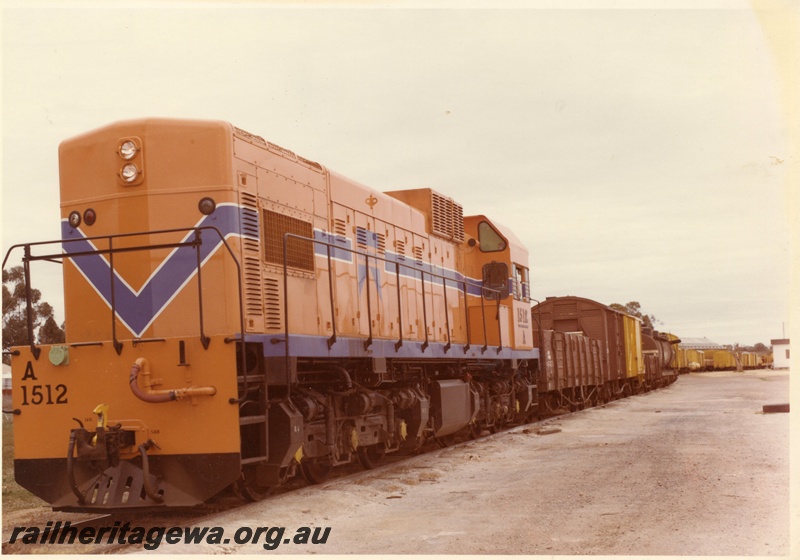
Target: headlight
{"points": [[74, 219], [89, 216], [128, 149], [207, 205], [129, 172]]}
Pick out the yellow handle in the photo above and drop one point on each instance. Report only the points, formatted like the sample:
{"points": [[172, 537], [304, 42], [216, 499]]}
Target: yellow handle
{"points": [[102, 415]]}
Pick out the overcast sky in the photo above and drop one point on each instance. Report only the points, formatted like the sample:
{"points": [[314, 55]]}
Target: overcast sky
{"points": [[640, 154]]}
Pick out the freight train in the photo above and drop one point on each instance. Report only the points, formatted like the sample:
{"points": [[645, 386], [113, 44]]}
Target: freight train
{"points": [[592, 353], [693, 360], [237, 315]]}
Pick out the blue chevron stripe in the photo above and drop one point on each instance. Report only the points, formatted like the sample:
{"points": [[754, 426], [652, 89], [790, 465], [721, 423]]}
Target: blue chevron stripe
{"points": [[137, 309]]}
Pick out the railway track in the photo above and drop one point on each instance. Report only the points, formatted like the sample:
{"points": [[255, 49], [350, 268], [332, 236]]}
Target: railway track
{"points": [[41, 537]]}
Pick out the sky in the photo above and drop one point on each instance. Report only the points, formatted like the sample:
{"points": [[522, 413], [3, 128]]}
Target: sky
{"points": [[642, 151]]}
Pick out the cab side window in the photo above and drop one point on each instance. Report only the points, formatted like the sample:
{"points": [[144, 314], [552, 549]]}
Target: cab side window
{"points": [[495, 281], [490, 241], [522, 290]]}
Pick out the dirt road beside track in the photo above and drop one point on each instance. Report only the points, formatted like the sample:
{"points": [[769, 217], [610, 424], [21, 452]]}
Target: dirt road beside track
{"points": [[693, 469]]}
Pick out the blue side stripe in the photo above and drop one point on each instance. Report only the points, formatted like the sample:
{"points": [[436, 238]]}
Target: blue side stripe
{"points": [[313, 346], [336, 253], [409, 268], [137, 309]]}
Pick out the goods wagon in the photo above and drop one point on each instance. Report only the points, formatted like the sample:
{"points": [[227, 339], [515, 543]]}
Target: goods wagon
{"points": [[237, 314], [679, 361], [750, 360], [622, 337], [573, 371], [659, 351], [691, 360], [720, 360]]}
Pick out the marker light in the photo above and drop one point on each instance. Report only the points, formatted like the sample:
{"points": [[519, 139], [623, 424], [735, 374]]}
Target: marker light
{"points": [[74, 219], [128, 149], [89, 216], [207, 205], [129, 172]]}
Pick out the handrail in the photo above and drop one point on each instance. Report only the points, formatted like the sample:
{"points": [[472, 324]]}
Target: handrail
{"points": [[425, 311], [332, 339], [26, 266], [462, 284], [447, 315], [204, 340], [399, 343], [196, 242], [117, 343], [368, 342], [483, 319]]}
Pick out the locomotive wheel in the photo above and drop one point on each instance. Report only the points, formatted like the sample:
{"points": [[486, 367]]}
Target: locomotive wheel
{"points": [[247, 489], [370, 455], [252, 492], [496, 426], [316, 471], [236, 491], [446, 441], [475, 430]]}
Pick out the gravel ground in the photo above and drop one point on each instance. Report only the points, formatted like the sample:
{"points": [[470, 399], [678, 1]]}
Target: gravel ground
{"points": [[693, 469]]}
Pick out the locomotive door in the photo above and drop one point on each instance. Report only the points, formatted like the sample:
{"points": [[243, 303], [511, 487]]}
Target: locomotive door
{"points": [[410, 311], [388, 326], [344, 272], [448, 309], [370, 275], [434, 295]]}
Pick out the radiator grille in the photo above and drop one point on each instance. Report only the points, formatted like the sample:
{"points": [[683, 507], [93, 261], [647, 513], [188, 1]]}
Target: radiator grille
{"points": [[273, 304], [361, 239], [380, 240], [251, 253], [447, 217], [339, 227], [418, 255], [458, 223], [300, 254], [249, 214]]}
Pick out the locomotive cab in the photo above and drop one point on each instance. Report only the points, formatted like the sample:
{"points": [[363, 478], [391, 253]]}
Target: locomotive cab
{"points": [[498, 259]]}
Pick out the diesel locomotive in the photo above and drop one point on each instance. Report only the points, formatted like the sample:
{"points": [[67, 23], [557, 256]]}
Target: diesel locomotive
{"points": [[237, 314]]}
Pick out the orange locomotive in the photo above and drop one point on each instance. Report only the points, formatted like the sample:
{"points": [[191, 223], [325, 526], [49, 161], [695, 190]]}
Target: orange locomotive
{"points": [[236, 314]]}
